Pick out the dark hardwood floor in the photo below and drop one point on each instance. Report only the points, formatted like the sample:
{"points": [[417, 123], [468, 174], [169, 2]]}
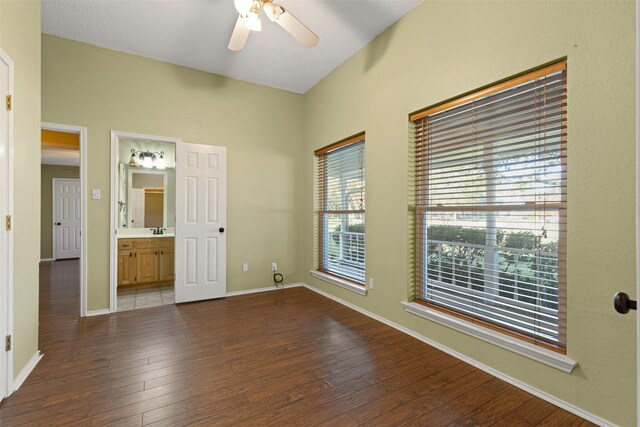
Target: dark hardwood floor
{"points": [[288, 357]]}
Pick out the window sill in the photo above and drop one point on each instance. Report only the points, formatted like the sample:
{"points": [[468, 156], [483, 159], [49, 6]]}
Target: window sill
{"points": [[542, 355], [343, 283]]}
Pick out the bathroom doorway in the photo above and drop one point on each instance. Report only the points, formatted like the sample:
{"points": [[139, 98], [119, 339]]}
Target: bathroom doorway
{"points": [[143, 200]]}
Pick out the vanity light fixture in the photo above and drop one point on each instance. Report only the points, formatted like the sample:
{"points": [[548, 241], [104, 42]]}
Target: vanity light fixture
{"points": [[148, 159]]}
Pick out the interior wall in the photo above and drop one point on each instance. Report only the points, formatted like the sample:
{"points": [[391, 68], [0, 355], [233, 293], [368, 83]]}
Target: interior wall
{"points": [[105, 90], [20, 39], [443, 49], [47, 173]]}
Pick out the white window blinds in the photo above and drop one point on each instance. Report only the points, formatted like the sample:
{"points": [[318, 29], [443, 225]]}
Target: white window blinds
{"points": [[341, 209], [491, 206]]}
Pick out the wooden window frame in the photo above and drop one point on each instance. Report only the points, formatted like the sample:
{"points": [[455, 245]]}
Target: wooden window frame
{"points": [[468, 97], [321, 212]]}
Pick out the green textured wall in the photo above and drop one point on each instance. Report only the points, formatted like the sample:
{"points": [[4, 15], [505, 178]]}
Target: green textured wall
{"points": [[104, 90], [442, 49]]}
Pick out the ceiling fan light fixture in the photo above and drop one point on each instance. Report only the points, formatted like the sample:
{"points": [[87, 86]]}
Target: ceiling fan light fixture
{"points": [[243, 6], [253, 21]]}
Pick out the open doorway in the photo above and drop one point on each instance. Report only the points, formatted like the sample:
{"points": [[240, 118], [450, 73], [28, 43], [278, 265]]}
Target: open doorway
{"points": [[63, 207], [143, 197]]}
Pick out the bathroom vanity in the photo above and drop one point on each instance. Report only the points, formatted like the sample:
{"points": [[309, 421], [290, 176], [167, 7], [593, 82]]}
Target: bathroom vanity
{"points": [[147, 259]]}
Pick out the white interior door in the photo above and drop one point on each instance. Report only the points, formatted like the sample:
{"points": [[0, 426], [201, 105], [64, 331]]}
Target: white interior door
{"points": [[137, 208], [66, 218], [201, 215], [6, 75]]}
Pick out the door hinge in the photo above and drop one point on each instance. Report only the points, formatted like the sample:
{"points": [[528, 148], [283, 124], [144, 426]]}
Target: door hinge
{"points": [[8, 222], [8, 102], [7, 343]]}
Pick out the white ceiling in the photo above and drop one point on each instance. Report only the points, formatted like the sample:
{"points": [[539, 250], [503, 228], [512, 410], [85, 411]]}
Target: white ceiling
{"points": [[51, 156], [195, 33]]}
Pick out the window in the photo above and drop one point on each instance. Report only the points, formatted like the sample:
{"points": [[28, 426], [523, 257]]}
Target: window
{"points": [[340, 209], [491, 200]]}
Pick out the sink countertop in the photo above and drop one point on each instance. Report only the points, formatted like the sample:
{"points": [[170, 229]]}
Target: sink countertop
{"points": [[143, 236]]}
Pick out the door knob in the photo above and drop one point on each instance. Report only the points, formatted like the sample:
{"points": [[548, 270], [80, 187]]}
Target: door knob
{"points": [[622, 303], [57, 223], [221, 229]]}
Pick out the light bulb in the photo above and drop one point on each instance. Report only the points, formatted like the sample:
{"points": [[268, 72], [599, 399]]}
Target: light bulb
{"points": [[253, 21], [243, 6], [161, 163], [147, 162]]}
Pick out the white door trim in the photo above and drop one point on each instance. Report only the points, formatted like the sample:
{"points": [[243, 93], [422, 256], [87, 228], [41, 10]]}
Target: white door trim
{"points": [[53, 212], [113, 207], [82, 131], [6, 284], [637, 211]]}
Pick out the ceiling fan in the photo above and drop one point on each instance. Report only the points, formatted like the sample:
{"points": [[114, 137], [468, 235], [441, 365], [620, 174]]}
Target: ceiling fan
{"points": [[249, 20]]}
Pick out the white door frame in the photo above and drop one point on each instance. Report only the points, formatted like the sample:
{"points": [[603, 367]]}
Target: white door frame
{"points": [[113, 209], [53, 211], [637, 212], [6, 282], [82, 131]]}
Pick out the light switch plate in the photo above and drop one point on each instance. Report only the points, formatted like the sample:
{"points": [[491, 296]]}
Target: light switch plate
{"points": [[372, 285], [95, 194], [245, 267]]}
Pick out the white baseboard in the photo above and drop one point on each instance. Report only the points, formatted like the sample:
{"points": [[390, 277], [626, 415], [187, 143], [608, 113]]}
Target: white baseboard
{"points": [[101, 312], [17, 382], [265, 289], [517, 383], [47, 260]]}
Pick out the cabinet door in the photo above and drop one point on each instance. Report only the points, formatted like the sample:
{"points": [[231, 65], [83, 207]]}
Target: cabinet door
{"points": [[147, 265], [126, 267], [167, 264]]}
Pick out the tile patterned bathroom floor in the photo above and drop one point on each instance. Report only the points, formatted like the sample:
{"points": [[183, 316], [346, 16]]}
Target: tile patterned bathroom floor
{"points": [[132, 299]]}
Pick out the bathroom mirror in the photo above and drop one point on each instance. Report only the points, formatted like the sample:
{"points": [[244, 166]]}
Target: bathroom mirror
{"points": [[146, 184]]}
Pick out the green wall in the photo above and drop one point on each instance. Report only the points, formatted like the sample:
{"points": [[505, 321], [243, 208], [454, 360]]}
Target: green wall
{"points": [[47, 173], [442, 49], [105, 90], [20, 39]]}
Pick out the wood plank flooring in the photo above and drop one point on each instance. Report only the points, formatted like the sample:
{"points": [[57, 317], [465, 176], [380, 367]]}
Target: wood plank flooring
{"points": [[288, 357]]}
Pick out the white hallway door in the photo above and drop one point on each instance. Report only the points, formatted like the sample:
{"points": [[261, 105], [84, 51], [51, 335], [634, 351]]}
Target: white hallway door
{"points": [[66, 218], [201, 215], [6, 357]]}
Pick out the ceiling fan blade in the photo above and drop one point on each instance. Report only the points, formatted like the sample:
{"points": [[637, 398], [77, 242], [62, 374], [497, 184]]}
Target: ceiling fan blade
{"points": [[296, 28], [239, 36]]}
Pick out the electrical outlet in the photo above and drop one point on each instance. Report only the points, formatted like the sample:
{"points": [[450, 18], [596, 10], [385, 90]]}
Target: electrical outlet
{"points": [[274, 266], [245, 267], [371, 284]]}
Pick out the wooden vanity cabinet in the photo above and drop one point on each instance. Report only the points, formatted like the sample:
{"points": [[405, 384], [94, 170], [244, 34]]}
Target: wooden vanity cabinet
{"points": [[147, 265], [126, 267], [145, 260], [167, 263]]}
